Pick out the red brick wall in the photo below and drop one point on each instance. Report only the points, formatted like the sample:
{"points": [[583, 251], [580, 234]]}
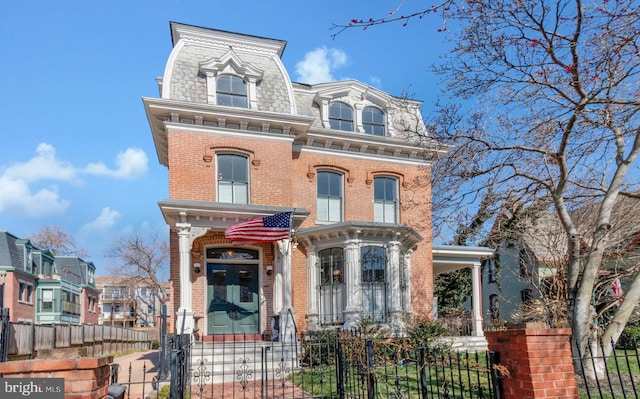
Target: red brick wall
{"points": [[84, 378], [88, 316], [19, 310], [278, 177], [538, 359]]}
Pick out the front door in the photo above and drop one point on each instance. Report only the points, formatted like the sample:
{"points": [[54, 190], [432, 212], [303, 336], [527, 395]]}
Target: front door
{"points": [[232, 294]]}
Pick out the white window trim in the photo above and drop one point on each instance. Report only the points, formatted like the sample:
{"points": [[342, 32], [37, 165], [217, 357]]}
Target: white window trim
{"points": [[342, 197], [231, 64], [248, 159]]}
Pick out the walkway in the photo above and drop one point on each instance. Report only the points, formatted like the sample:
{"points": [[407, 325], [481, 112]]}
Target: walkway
{"points": [[135, 368]]}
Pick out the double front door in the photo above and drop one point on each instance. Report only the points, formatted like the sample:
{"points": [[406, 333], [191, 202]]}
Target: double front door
{"points": [[232, 294]]}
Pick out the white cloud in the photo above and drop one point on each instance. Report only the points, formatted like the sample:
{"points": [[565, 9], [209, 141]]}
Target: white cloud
{"points": [[16, 197], [104, 221], [43, 166], [319, 64], [130, 164], [19, 195]]}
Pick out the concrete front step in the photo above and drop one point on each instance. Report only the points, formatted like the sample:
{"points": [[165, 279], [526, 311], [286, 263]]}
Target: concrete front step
{"points": [[468, 344], [218, 362]]}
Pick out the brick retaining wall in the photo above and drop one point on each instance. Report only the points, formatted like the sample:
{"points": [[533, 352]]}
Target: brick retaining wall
{"points": [[84, 378]]}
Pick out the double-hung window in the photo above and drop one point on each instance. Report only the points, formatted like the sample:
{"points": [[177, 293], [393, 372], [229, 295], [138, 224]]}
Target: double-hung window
{"points": [[373, 121], [385, 202], [231, 91], [47, 300], [233, 178], [373, 260], [340, 116], [329, 202], [331, 262]]}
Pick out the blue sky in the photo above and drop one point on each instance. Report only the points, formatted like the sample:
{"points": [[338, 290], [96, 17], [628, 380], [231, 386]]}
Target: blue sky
{"points": [[76, 146]]}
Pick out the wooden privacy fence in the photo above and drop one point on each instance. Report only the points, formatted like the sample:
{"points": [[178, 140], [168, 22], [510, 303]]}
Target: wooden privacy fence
{"points": [[31, 341]]}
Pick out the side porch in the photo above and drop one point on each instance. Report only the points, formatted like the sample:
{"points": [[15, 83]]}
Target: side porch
{"points": [[465, 327]]}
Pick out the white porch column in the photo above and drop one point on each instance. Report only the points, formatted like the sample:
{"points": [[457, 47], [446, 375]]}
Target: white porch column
{"points": [[352, 283], [287, 314], [186, 236], [312, 285], [407, 277], [394, 295], [477, 300]]}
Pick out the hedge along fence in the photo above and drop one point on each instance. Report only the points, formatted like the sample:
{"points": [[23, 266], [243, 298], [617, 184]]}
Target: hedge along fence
{"points": [[31, 341]]}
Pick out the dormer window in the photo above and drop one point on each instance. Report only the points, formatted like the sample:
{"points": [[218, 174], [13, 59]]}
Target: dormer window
{"points": [[341, 116], [231, 81], [231, 91], [373, 121]]}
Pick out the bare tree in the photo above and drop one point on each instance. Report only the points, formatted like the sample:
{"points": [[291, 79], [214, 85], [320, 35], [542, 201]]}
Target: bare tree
{"points": [[57, 241], [555, 85], [143, 263]]}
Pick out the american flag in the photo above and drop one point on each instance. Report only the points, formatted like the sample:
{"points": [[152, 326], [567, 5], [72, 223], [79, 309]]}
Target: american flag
{"points": [[264, 229]]}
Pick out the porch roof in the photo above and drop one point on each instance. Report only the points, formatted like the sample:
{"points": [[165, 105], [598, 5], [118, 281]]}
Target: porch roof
{"points": [[447, 258]]}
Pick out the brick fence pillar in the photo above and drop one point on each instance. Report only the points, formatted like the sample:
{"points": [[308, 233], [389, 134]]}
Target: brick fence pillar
{"points": [[538, 359]]}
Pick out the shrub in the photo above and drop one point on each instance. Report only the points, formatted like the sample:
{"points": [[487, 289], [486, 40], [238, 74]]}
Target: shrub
{"points": [[422, 331], [630, 337]]}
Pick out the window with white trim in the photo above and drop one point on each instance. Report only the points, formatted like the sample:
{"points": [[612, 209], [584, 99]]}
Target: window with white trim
{"points": [[331, 262], [231, 91], [385, 199], [373, 261], [233, 178], [373, 121], [329, 200], [341, 116], [47, 300]]}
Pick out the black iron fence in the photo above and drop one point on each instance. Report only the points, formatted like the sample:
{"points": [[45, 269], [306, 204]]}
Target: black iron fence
{"points": [[323, 365], [614, 376]]}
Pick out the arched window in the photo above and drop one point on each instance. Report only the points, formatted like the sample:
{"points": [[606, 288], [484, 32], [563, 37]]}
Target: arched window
{"points": [[373, 121], [494, 307], [331, 263], [233, 178], [385, 199], [231, 91], [341, 116], [373, 260], [329, 201]]}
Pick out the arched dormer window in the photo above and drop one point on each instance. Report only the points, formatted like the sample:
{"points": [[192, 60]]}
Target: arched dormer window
{"points": [[373, 121], [231, 91], [239, 79], [341, 116]]}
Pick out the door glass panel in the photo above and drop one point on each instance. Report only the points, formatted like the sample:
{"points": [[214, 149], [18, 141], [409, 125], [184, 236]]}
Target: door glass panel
{"points": [[219, 286], [246, 286]]}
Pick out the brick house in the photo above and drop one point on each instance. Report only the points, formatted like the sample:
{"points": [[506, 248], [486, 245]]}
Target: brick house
{"points": [[240, 140], [38, 287]]}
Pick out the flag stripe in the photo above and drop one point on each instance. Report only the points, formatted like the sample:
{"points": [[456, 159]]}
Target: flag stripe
{"points": [[263, 229]]}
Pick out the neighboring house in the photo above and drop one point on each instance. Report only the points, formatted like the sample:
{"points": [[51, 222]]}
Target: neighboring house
{"points": [[527, 262], [38, 287], [129, 303], [241, 141], [80, 274]]}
